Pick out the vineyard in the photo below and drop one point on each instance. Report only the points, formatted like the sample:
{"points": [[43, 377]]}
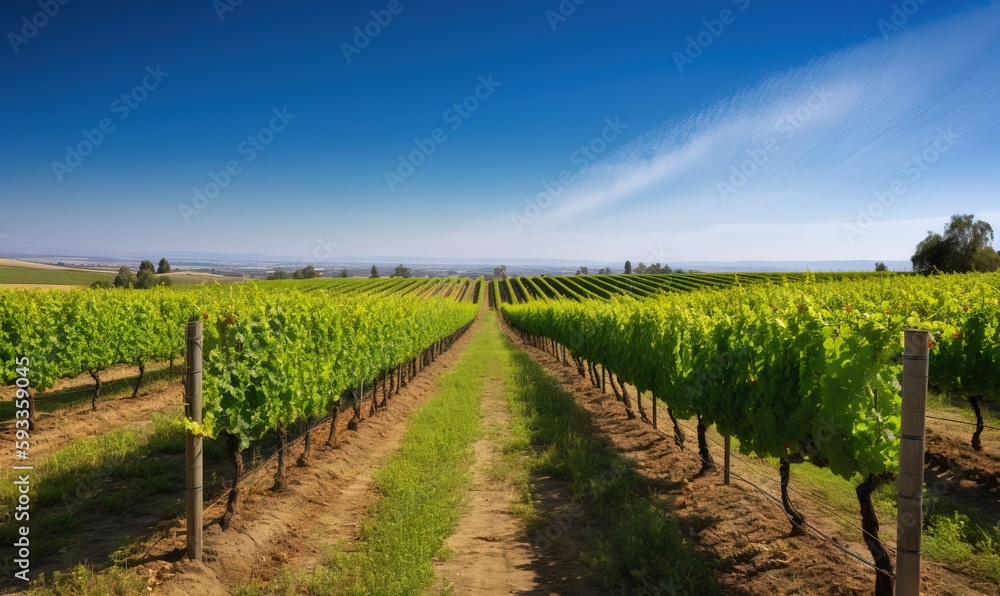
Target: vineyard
{"points": [[794, 369], [525, 289], [802, 372]]}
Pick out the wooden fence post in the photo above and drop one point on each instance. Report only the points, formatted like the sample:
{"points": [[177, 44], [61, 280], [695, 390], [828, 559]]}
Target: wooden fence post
{"points": [[193, 443], [911, 461]]}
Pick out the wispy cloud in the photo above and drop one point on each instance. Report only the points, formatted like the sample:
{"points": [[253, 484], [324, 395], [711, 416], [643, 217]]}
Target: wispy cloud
{"points": [[843, 122]]}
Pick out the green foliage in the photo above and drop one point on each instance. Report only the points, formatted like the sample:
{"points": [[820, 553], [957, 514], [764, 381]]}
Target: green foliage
{"points": [[146, 265], [880, 266], [125, 278], [628, 267], [967, 245], [307, 272], [272, 358], [810, 368], [163, 267], [374, 273], [89, 330], [102, 284], [145, 280], [955, 539], [401, 271]]}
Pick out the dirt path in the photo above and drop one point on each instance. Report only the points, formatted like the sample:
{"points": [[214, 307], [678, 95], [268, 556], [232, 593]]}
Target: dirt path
{"points": [[736, 525], [491, 552], [322, 506]]}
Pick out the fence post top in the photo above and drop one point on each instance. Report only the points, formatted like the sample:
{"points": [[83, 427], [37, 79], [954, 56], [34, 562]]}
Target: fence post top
{"points": [[917, 342]]}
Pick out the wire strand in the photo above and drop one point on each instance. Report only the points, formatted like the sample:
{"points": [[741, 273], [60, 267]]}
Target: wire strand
{"points": [[962, 422]]}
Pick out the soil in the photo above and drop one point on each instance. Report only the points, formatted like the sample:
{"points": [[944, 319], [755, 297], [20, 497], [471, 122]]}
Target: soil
{"points": [[491, 555], [55, 429], [747, 534], [955, 471], [491, 552]]}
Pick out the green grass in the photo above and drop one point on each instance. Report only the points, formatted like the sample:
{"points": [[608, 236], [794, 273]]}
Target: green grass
{"points": [[63, 277], [939, 403], [115, 472], [638, 547], [85, 581]]}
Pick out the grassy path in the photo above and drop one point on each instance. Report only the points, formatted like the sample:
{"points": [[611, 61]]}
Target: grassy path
{"points": [[588, 521]]}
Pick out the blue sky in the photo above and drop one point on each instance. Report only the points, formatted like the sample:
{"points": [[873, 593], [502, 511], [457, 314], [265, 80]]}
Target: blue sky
{"points": [[720, 130]]}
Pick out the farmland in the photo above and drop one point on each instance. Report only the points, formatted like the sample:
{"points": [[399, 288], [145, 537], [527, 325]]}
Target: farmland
{"points": [[25, 274], [360, 434]]}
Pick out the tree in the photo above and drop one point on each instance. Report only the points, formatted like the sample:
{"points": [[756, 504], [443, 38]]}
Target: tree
{"points": [[307, 272], [986, 260], [401, 271], [147, 266], [125, 278], [967, 245], [102, 284], [582, 271], [163, 267], [880, 266], [374, 274], [500, 272], [343, 273], [145, 280], [278, 275], [641, 268], [628, 267]]}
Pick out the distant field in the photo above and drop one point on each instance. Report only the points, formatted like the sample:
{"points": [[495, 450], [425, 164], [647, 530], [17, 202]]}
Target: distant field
{"points": [[62, 277], [32, 275]]}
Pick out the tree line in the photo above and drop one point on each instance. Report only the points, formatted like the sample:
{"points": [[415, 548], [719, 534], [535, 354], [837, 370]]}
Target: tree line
{"points": [[149, 276]]}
